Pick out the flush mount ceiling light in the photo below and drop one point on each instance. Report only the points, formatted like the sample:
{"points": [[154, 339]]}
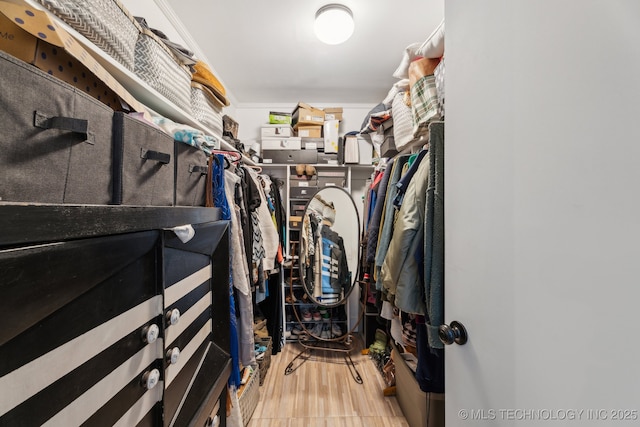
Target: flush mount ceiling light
{"points": [[334, 24]]}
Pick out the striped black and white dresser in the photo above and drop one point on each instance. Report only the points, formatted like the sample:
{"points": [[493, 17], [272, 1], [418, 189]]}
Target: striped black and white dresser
{"points": [[110, 318]]}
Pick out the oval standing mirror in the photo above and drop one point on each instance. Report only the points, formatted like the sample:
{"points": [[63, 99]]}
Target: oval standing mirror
{"points": [[330, 244]]}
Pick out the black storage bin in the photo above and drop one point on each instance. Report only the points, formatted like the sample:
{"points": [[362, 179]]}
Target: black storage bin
{"points": [[289, 156], [55, 143], [143, 166], [302, 192], [388, 148], [191, 175]]}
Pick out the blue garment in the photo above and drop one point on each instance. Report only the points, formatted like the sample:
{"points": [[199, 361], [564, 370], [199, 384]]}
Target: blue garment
{"points": [[234, 377], [373, 228], [217, 179], [406, 179], [220, 201]]}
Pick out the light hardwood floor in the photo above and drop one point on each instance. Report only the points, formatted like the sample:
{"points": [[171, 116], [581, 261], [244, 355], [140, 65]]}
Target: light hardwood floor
{"points": [[322, 393]]}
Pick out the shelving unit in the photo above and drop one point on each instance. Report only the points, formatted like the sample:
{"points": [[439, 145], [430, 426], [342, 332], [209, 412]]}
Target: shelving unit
{"points": [[137, 87], [355, 177]]}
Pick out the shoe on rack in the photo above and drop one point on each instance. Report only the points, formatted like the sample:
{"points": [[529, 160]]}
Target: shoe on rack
{"points": [[324, 314], [288, 331], [300, 170], [309, 170], [316, 315], [306, 315], [325, 332], [297, 330], [317, 330], [336, 331]]}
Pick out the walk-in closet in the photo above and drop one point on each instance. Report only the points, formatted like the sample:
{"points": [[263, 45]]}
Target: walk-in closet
{"points": [[315, 214]]}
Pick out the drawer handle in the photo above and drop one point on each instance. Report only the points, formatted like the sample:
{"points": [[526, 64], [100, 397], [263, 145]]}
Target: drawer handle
{"points": [[173, 317], [150, 379], [173, 355], [150, 333], [159, 157], [79, 126], [202, 170]]}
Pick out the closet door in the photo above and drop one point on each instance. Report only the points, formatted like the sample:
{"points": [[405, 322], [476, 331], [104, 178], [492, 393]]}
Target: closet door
{"points": [[541, 208]]}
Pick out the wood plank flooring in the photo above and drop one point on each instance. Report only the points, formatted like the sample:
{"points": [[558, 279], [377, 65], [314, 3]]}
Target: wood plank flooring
{"points": [[322, 393]]}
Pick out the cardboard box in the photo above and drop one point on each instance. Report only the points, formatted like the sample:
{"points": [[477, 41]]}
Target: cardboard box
{"points": [[285, 143], [305, 114], [60, 55], [331, 136], [276, 130], [295, 222], [333, 113], [310, 131], [279, 118], [419, 408]]}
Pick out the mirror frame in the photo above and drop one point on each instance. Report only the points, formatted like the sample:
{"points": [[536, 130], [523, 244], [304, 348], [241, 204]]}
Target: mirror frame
{"points": [[356, 269]]}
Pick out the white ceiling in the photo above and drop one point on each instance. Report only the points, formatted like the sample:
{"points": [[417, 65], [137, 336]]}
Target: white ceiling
{"points": [[266, 52]]}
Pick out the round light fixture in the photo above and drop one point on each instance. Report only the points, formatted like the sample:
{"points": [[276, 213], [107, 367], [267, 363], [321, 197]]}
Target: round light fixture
{"points": [[334, 24]]}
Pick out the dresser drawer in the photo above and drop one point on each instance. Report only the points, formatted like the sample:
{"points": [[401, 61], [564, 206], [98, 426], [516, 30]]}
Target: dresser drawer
{"points": [[75, 347], [190, 354]]}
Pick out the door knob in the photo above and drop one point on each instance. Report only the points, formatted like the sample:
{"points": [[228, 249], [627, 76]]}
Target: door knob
{"points": [[454, 333]]}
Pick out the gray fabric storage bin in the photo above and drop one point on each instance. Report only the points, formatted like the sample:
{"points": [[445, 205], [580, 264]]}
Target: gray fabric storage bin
{"points": [[191, 175], [55, 141], [143, 164]]}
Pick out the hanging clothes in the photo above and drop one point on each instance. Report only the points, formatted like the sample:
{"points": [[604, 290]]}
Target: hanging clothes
{"points": [[374, 222], [387, 219], [240, 274], [272, 307], [400, 270], [247, 199], [434, 237], [219, 200], [265, 221]]}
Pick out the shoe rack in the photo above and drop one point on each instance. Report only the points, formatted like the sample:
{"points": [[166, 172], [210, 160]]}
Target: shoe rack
{"points": [[298, 189], [305, 320]]}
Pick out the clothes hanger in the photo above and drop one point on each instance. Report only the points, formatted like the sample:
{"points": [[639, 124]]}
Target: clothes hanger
{"points": [[232, 156]]}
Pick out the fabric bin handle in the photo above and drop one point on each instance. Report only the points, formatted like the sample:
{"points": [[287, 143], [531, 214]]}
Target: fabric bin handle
{"points": [[163, 158], [79, 126], [202, 170]]}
